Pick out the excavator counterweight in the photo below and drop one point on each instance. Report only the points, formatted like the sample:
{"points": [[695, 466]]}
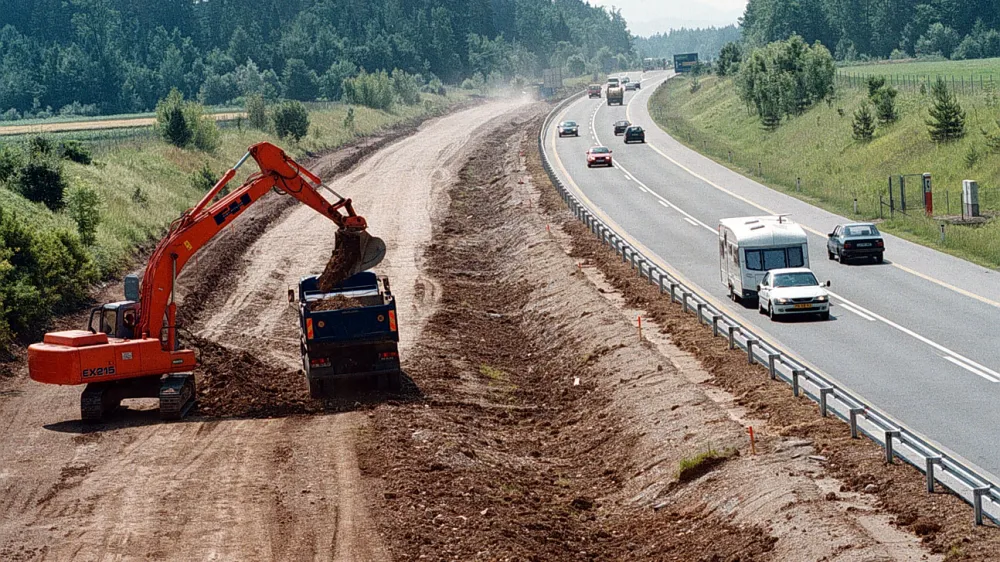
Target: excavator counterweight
{"points": [[130, 349]]}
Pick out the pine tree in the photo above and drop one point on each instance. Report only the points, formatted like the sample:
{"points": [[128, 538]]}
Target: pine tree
{"points": [[947, 122], [864, 124]]}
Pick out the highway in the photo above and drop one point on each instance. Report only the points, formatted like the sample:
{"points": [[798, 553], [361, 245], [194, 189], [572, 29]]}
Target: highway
{"points": [[914, 336]]}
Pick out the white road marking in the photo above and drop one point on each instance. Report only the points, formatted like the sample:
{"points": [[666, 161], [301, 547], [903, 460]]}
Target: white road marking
{"points": [[856, 311], [970, 369], [667, 205], [629, 179], [953, 356]]}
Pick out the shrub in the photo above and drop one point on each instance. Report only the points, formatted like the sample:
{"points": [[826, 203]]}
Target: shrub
{"points": [[884, 99], [291, 120], [182, 123], [40, 146], [75, 151], [972, 156], [875, 83], [405, 87], [42, 272], [204, 179], [947, 122], [11, 160], [784, 78], [370, 90], [139, 197], [332, 82], [349, 119], [576, 65], [300, 83], [84, 207], [257, 112], [864, 124], [41, 180], [729, 59]]}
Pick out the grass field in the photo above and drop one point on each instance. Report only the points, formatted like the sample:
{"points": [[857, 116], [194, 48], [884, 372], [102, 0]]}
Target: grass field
{"points": [[834, 169], [144, 183]]}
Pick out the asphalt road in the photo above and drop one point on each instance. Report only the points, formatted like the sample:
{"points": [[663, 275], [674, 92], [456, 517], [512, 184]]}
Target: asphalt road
{"points": [[914, 336]]}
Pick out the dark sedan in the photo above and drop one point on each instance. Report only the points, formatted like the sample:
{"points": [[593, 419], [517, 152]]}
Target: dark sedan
{"points": [[569, 129], [635, 134], [620, 127], [855, 240]]}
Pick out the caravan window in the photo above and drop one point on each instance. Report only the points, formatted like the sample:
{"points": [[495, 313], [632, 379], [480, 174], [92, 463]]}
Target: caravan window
{"points": [[795, 257], [777, 258]]}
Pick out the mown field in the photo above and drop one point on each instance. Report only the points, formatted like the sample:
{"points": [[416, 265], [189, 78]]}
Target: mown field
{"points": [[144, 183], [834, 169]]}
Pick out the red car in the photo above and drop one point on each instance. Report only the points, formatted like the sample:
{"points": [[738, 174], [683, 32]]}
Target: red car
{"points": [[599, 156]]}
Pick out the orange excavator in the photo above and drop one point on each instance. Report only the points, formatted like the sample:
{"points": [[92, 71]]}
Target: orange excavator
{"points": [[130, 349]]}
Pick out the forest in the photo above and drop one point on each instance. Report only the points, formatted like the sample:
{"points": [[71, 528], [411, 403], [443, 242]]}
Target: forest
{"points": [[853, 29], [707, 42], [118, 56]]}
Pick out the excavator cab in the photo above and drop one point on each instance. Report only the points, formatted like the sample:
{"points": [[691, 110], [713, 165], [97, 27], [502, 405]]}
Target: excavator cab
{"points": [[116, 319]]}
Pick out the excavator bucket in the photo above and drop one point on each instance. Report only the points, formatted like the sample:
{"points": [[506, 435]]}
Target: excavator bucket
{"points": [[354, 251]]}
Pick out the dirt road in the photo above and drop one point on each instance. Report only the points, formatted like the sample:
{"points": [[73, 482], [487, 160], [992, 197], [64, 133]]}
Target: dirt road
{"points": [[233, 489], [95, 125]]}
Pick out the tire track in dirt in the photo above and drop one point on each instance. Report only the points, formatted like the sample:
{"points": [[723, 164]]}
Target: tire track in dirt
{"points": [[251, 489]]}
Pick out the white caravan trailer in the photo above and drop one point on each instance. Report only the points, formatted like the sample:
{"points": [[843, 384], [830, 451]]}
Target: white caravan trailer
{"points": [[749, 247]]}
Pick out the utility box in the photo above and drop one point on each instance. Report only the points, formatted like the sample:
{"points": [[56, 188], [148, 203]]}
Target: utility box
{"points": [[970, 198]]}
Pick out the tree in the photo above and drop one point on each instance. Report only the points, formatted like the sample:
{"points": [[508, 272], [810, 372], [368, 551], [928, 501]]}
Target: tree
{"points": [[405, 87], [885, 104], [291, 120], [257, 112], [170, 119], [576, 65], [84, 207], [729, 59], [299, 81], [947, 122], [332, 82], [41, 180], [863, 124], [939, 40]]}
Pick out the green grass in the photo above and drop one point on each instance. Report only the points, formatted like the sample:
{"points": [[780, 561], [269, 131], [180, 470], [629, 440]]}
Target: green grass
{"points": [[89, 118], [976, 68], [162, 173], [693, 467], [834, 169]]}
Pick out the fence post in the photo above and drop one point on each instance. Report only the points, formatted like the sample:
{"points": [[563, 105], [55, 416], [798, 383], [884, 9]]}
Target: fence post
{"points": [[796, 373], [732, 336], [931, 461], [823, 393], [750, 344], [854, 421], [715, 325], [889, 435], [771, 357], [977, 503]]}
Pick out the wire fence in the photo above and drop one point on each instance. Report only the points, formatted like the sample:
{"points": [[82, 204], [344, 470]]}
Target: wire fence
{"points": [[913, 82]]}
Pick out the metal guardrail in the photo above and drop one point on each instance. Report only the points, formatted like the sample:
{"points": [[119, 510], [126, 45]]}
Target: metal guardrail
{"points": [[863, 419]]}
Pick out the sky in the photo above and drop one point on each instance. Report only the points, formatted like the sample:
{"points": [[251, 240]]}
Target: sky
{"points": [[647, 17]]}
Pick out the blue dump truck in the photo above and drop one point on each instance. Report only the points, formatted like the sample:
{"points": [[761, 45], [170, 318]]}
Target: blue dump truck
{"points": [[349, 335]]}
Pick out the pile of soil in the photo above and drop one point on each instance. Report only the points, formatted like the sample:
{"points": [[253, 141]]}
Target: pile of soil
{"points": [[338, 302], [344, 257], [233, 383], [508, 458]]}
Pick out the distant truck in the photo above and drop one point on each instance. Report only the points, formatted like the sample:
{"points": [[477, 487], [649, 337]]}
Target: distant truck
{"points": [[349, 334], [749, 247], [615, 93], [594, 91]]}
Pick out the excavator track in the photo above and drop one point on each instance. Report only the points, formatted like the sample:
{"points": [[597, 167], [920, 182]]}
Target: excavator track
{"points": [[98, 401], [176, 396]]}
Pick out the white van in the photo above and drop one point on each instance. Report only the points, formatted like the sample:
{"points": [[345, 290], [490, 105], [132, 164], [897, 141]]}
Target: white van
{"points": [[749, 247]]}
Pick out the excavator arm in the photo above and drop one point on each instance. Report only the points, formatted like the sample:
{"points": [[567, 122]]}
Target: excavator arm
{"points": [[355, 250]]}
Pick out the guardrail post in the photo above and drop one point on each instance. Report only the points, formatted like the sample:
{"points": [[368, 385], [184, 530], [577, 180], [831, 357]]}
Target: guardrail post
{"points": [[662, 290], [715, 325], [750, 344], [796, 373], [977, 503], [854, 421], [823, 393], [732, 336], [771, 357], [889, 435], [673, 292], [701, 308], [685, 296], [931, 461]]}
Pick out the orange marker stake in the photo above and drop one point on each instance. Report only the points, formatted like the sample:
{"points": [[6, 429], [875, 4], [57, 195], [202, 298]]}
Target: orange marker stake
{"points": [[753, 444], [640, 327]]}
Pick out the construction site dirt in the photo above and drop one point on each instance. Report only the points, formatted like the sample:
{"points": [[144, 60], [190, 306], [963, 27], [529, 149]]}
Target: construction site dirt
{"points": [[538, 424]]}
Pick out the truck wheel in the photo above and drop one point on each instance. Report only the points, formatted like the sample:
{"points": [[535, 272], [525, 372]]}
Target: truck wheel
{"points": [[316, 389]]}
